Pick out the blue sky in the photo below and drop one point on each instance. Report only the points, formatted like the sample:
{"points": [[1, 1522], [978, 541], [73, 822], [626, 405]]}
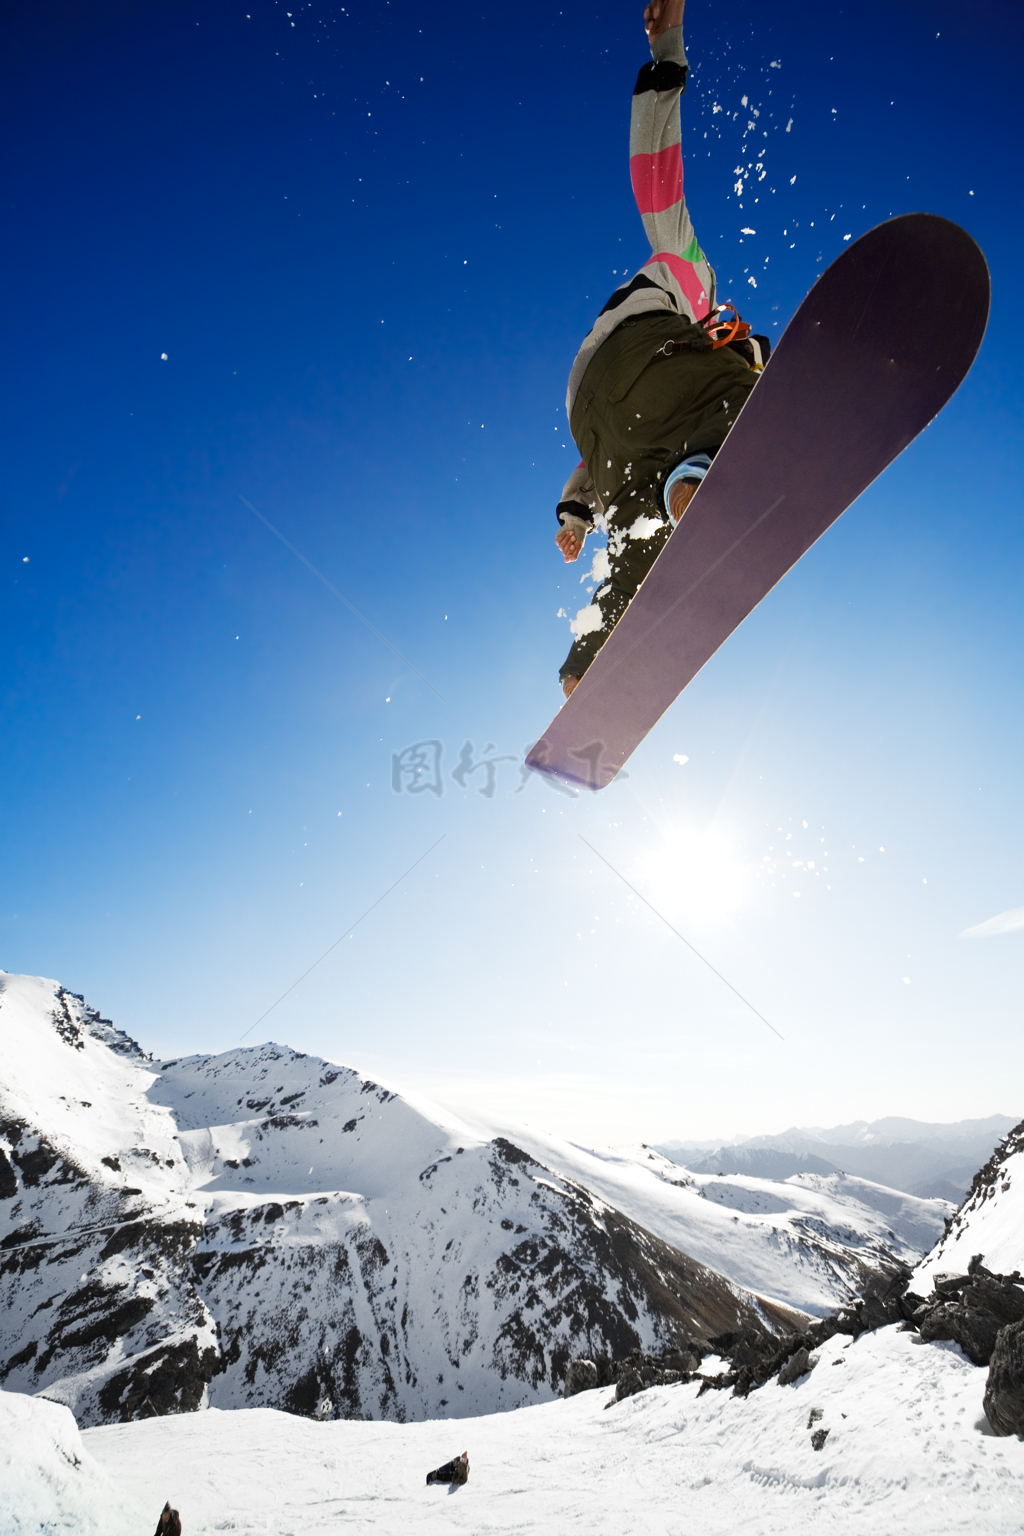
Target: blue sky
{"points": [[369, 241]]}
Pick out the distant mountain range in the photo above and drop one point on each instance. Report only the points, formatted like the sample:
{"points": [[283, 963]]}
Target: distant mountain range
{"points": [[932, 1161], [265, 1228]]}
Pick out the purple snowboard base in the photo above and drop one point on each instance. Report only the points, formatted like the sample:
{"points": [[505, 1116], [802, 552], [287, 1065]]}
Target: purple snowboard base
{"points": [[869, 359]]}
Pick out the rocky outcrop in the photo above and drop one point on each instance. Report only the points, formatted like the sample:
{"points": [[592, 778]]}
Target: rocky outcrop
{"points": [[969, 1309], [1004, 1390], [753, 1356], [634, 1373], [988, 1222], [796, 1366]]}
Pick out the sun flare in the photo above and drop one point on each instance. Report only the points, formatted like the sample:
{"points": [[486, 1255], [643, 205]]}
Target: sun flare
{"points": [[696, 873]]}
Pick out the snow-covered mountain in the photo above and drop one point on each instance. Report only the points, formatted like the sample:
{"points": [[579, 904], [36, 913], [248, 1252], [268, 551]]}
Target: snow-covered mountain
{"points": [[919, 1157], [808, 1241], [262, 1227]]}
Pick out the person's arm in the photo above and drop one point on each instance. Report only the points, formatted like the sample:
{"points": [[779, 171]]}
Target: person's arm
{"points": [[655, 150], [576, 511]]}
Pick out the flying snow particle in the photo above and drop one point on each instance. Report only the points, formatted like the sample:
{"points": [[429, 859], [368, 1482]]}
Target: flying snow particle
{"points": [[645, 527], [752, 281], [24, 559], [163, 357], [587, 621], [680, 758], [847, 237], [788, 127], [748, 231], [906, 981], [791, 180]]}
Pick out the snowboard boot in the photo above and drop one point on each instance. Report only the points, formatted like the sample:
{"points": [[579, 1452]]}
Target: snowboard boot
{"points": [[682, 483]]}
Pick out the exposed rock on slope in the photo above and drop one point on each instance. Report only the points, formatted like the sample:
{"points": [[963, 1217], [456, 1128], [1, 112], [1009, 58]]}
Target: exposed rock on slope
{"points": [[970, 1309], [1004, 1390], [260, 1228], [990, 1222]]}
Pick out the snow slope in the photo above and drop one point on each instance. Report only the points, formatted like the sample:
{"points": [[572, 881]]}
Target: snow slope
{"points": [[48, 1480], [908, 1453], [990, 1222]]}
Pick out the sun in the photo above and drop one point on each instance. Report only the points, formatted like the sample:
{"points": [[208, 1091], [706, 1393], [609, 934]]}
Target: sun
{"points": [[696, 873]]}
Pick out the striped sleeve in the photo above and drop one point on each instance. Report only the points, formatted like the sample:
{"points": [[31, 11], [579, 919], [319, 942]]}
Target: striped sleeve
{"points": [[656, 171]]}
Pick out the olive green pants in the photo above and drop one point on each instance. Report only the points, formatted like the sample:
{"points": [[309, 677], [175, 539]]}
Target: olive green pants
{"points": [[639, 410]]}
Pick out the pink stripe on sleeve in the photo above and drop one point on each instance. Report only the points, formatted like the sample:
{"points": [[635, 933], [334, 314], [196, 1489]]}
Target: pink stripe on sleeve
{"points": [[686, 277], [657, 179]]}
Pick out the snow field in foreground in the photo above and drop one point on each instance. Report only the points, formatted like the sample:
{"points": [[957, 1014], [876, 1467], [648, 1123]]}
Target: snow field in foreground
{"points": [[908, 1451], [48, 1481]]}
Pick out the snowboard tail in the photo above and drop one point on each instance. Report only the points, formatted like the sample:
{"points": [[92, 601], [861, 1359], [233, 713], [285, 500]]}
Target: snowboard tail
{"points": [[879, 345]]}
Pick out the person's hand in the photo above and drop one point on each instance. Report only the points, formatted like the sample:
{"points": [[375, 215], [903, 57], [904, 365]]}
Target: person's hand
{"points": [[569, 544], [660, 15]]}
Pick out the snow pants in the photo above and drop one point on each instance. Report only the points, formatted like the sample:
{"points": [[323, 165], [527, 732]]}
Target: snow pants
{"points": [[641, 407]]}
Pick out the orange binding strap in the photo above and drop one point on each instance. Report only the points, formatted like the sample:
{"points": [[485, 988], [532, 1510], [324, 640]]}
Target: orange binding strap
{"points": [[722, 332]]}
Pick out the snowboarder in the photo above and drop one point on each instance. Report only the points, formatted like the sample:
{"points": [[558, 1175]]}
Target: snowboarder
{"points": [[659, 381], [454, 1471], [169, 1523]]}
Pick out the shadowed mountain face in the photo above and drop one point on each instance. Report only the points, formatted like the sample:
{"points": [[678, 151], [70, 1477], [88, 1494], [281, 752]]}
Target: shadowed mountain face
{"points": [[931, 1161], [262, 1228]]}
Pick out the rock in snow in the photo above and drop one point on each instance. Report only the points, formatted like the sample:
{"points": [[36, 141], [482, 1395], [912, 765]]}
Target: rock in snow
{"points": [[1004, 1390], [796, 1366]]}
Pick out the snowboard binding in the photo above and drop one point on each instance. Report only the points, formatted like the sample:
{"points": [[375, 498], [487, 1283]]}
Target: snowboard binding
{"points": [[736, 335]]}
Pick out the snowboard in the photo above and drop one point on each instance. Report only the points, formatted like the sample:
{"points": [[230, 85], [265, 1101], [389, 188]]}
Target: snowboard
{"points": [[875, 350]]}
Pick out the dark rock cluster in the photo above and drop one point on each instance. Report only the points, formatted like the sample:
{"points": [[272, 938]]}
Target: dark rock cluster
{"points": [[981, 1311], [752, 1356], [635, 1373], [1004, 1391], [968, 1309]]}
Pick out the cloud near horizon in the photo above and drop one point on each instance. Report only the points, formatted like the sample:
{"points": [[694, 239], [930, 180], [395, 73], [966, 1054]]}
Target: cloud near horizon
{"points": [[1003, 922]]}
